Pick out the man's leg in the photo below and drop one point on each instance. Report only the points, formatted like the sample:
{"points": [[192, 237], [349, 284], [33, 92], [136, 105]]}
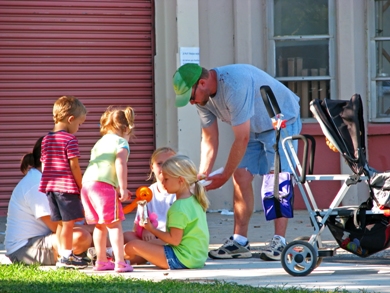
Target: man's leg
{"points": [[243, 209], [243, 201], [281, 226], [82, 240]]}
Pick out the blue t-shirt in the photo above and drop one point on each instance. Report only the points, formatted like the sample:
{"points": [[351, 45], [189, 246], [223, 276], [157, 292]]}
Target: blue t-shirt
{"points": [[238, 98]]}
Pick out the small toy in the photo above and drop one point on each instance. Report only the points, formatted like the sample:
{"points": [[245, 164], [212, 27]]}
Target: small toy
{"points": [[138, 228], [331, 145], [142, 193]]}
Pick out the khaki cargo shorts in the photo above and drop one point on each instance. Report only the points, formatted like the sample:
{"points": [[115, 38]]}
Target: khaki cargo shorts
{"points": [[37, 250]]}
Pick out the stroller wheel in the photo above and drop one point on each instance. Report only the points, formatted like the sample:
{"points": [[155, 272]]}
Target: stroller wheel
{"points": [[299, 258], [307, 238]]}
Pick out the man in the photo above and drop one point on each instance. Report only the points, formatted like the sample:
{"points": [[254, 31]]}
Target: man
{"points": [[232, 94]]}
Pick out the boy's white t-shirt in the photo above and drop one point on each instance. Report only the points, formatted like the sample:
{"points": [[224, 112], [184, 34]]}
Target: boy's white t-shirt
{"points": [[159, 204], [25, 208]]}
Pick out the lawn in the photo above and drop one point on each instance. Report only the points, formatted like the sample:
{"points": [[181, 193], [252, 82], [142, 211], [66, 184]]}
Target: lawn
{"points": [[31, 279]]}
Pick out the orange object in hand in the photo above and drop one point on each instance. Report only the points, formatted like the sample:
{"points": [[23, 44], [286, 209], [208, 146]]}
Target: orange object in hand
{"points": [[142, 193]]}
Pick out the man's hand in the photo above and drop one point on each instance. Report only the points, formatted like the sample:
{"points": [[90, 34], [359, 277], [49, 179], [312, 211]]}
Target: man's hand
{"points": [[216, 181]]}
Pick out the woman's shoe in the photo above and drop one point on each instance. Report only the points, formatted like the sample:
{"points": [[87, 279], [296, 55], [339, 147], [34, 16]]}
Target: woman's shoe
{"points": [[104, 266], [122, 267]]}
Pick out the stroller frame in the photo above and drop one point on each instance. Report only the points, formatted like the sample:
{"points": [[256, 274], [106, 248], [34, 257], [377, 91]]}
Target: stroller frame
{"points": [[301, 256]]}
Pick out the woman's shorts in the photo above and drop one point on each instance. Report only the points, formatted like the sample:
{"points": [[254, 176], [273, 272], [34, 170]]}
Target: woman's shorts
{"points": [[101, 203], [173, 262], [37, 250]]}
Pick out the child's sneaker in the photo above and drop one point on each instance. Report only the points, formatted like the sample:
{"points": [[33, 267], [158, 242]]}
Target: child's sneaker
{"points": [[91, 253], [231, 249], [274, 249], [71, 262]]}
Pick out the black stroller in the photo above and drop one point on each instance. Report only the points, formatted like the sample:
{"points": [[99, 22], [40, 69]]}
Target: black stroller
{"points": [[362, 230]]}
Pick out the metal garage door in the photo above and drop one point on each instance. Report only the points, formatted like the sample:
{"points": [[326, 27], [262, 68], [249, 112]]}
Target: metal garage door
{"points": [[99, 51]]}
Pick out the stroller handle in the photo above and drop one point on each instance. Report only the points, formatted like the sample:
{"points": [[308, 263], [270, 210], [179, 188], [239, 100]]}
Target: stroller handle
{"points": [[269, 101], [305, 138]]}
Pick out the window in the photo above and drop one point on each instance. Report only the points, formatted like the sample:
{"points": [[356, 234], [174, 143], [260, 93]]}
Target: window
{"points": [[379, 30], [301, 40]]}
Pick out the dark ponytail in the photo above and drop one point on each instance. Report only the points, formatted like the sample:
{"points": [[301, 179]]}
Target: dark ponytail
{"points": [[32, 159]]}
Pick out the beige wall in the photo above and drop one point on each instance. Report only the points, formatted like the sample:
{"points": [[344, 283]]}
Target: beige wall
{"points": [[234, 31]]}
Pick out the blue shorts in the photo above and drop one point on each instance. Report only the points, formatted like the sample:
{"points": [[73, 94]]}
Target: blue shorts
{"points": [[173, 262], [65, 206], [260, 155]]}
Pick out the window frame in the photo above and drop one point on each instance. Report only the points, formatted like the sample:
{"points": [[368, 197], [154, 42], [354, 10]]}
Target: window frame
{"points": [[372, 76], [271, 50]]}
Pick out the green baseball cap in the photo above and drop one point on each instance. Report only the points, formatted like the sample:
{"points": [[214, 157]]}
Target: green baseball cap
{"points": [[183, 80]]}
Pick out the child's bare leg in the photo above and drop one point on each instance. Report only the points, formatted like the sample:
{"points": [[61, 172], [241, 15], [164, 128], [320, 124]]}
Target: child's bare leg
{"points": [[66, 235], [58, 236], [128, 236], [116, 237], [99, 239], [153, 253]]}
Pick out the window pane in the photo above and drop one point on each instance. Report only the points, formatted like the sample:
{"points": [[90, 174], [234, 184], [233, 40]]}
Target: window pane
{"points": [[383, 98], [383, 58], [302, 58], [382, 18], [300, 17], [307, 91]]}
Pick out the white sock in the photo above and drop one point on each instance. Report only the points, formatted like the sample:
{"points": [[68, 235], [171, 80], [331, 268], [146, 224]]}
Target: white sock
{"points": [[66, 253], [281, 238], [240, 239]]}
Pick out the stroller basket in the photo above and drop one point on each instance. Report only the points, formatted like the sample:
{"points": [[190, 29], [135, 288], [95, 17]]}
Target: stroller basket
{"points": [[362, 239]]}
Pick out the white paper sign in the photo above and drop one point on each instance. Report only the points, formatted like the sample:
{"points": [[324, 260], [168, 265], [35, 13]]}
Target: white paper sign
{"points": [[189, 55]]}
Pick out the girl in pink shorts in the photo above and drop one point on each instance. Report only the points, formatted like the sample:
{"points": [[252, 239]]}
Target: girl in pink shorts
{"points": [[105, 186]]}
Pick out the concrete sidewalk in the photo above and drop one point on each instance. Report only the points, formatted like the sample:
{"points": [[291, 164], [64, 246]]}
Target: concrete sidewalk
{"points": [[343, 271]]}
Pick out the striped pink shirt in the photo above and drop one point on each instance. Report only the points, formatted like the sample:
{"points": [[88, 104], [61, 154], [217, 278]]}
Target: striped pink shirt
{"points": [[57, 148]]}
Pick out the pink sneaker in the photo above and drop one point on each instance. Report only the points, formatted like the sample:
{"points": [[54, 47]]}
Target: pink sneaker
{"points": [[122, 267]]}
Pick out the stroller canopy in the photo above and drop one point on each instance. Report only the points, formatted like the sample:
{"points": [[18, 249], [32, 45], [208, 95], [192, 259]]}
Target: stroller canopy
{"points": [[342, 123]]}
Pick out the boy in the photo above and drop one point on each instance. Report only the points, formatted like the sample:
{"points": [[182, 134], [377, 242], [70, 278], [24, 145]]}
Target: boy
{"points": [[61, 175]]}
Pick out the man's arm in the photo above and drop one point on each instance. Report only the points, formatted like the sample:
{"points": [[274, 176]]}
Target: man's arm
{"points": [[237, 151], [49, 223], [208, 148]]}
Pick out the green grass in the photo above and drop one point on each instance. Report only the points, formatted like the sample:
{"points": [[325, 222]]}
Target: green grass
{"points": [[30, 279]]}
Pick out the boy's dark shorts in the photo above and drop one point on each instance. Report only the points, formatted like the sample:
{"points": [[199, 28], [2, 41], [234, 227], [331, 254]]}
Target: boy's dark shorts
{"points": [[65, 206]]}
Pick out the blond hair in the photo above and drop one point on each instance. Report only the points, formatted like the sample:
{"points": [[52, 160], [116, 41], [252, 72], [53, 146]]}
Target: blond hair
{"points": [[156, 153], [67, 106], [117, 118], [182, 166]]}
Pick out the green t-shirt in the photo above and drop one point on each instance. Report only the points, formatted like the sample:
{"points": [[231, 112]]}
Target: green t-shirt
{"points": [[188, 215], [101, 165]]}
